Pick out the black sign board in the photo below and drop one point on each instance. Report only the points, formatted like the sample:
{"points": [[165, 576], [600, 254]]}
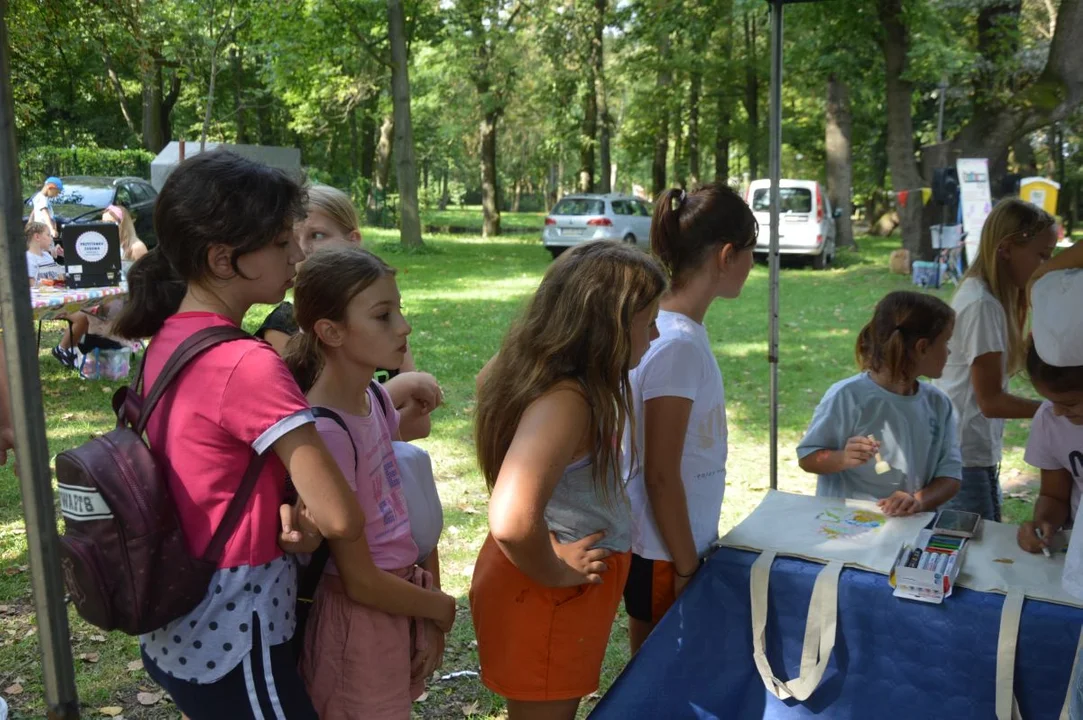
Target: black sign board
{"points": [[91, 254]]}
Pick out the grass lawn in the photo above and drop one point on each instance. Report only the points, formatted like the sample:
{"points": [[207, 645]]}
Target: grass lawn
{"points": [[460, 294]]}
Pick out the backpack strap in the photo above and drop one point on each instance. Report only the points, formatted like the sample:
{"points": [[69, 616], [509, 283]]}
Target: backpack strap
{"points": [[193, 346], [328, 413], [375, 387], [235, 509], [196, 344], [310, 576]]}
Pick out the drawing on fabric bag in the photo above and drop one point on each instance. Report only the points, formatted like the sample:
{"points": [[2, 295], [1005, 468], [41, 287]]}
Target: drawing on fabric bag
{"points": [[843, 523]]}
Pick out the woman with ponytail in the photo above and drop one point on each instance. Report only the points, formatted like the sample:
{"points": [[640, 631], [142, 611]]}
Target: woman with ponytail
{"points": [[225, 243], [677, 474], [883, 434]]}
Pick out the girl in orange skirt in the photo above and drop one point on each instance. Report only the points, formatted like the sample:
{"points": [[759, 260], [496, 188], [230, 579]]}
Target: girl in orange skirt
{"points": [[551, 406]]}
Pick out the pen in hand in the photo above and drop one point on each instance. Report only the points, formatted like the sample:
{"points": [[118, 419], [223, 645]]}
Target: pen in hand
{"points": [[1041, 536]]}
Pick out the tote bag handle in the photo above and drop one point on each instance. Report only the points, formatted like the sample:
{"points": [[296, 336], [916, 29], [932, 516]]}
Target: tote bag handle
{"points": [[819, 629]]}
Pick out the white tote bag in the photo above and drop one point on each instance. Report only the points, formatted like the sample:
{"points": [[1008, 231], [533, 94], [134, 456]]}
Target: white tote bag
{"points": [[854, 532], [834, 531]]}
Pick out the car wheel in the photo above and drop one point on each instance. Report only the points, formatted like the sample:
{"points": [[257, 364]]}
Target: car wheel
{"points": [[819, 262], [556, 251], [630, 239]]}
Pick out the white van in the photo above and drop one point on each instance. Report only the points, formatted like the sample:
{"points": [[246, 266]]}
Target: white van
{"points": [[806, 219]]}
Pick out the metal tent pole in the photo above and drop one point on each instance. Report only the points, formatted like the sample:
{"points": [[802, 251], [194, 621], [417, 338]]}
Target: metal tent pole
{"points": [[35, 480], [775, 162]]}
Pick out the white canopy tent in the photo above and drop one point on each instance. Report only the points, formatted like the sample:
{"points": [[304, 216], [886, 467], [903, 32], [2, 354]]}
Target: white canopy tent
{"points": [[20, 349]]}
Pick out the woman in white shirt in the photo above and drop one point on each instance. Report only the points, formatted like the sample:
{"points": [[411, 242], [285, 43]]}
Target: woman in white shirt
{"points": [[989, 345]]}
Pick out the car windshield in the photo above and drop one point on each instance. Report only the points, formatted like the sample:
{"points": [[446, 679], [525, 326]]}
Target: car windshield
{"points": [[83, 196], [792, 200], [579, 206]]}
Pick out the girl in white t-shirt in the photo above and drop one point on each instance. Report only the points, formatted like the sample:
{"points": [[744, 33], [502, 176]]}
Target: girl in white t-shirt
{"points": [[677, 476], [988, 347]]}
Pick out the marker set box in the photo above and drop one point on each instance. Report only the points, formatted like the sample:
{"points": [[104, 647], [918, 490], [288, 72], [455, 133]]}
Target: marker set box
{"points": [[926, 571]]}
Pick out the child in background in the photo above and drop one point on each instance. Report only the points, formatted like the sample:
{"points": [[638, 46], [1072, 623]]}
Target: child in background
{"points": [[1055, 365], [40, 259], [370, 641], [551, 408], [225, 234], [131, 247], [705, 239], [332, 221], [888, 414], [42, 203], [1055, 445], [988, 345]]}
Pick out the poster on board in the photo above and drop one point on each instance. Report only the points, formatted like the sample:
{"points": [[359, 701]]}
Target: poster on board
{"points": [[976, 201]]}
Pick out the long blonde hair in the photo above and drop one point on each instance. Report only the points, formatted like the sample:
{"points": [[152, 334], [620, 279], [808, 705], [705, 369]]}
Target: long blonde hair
{"points": [[576, 327], [127, 229], [336, 205], [1016, 222]]}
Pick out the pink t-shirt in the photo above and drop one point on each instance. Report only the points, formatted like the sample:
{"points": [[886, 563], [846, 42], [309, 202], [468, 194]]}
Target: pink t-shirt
{"points": [[235, 398], [375, 481]]}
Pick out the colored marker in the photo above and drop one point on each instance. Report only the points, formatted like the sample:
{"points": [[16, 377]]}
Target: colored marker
{"points": [[914, 559]]}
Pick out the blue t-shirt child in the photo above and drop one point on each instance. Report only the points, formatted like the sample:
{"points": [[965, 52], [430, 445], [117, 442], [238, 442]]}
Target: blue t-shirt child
{"points": [[916, 434]]}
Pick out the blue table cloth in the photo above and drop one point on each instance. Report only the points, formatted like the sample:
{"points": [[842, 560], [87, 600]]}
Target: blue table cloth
{"points": [[893, 658]]}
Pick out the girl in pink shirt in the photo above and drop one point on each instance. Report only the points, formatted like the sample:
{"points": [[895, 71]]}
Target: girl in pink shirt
{"points": [[377, 624], [225, 234]]}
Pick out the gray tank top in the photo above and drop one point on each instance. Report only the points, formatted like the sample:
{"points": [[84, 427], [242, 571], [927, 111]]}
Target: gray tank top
{"points": [[578, 508]]}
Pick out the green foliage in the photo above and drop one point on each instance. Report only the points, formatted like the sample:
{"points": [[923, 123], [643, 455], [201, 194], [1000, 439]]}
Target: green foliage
{"points": [[315, 75], [38, 163]]}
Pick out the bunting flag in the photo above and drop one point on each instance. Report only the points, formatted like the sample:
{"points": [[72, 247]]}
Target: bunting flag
{"points": [[904, 195]]}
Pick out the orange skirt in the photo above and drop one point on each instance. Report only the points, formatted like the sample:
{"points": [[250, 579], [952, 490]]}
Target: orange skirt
{"points": [[540, 643]]}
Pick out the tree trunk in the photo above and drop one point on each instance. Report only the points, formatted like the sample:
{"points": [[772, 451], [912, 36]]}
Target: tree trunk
{"points": [[151, 71], [368, 137], [121, 97], [693, 127], [587, 134], [490, 201], [839, 157], [1052, 97], [752, 97], [661, 130], [680, 165], [405, 162], [551, 187], [165, 109], [236, 58], [210, 101], [264, 118], [445, 197], [383, 154], [605, 163], [558, 190], [1025, 161], [517, 197], [355, 144], [895, 43], [723, 102]]}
